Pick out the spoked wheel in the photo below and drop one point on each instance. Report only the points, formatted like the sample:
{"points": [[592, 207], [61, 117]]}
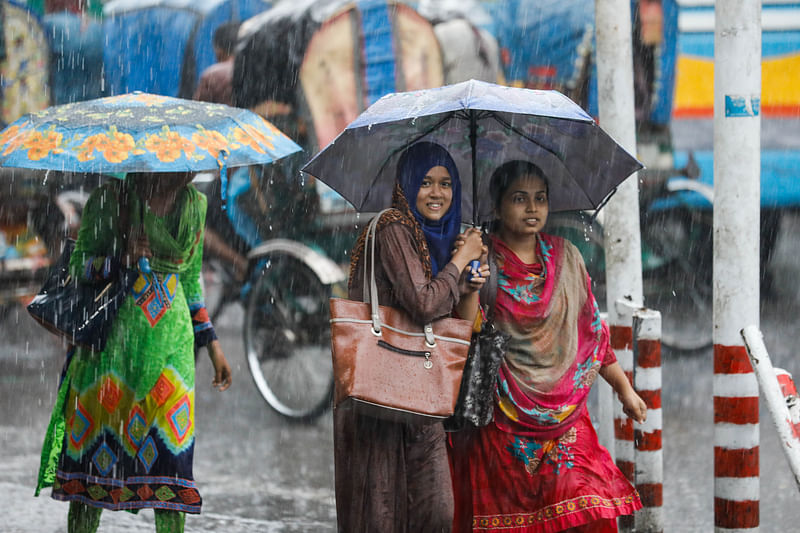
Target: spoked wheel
{"points": [[680, 287], [287, 338]]}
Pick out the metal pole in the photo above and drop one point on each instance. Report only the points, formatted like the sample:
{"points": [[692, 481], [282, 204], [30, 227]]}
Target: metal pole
{"points": [[737, 135], [776, 399], [648, 436], [473, 144], [621, 220]]}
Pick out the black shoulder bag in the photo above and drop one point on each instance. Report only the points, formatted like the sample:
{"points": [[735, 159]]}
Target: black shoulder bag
{"points": [[83, 313]]}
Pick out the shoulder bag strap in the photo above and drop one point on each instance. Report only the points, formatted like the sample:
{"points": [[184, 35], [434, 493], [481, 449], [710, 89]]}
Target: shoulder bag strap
{"points": [[372, 294], [488, 293]]}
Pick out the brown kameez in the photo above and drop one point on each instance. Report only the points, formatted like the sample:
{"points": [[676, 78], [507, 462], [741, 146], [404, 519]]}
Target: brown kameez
{"points": [[394, 477]]}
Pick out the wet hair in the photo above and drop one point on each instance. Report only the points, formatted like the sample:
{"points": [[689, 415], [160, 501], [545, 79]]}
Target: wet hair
{"points": [[225, 37], [508, 173]]}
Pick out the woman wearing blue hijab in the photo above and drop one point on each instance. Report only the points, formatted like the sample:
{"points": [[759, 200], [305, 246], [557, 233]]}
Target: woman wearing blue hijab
{"points": [[394, 477], [412, 173]]}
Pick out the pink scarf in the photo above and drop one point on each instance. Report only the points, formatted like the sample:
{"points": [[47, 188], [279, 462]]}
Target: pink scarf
{"points": [[558, 342]]}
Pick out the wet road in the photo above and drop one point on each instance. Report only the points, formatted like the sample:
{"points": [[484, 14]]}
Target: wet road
{"points": [[258, 473]]}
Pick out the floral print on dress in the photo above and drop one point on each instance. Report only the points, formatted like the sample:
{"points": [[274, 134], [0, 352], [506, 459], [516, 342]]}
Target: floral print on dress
{"points": [[543, 415], [586, 373], [526, 292], [556, 453]]}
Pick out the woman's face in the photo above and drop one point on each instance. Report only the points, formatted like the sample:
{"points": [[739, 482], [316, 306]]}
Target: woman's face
{"points": [[435, 195], [523, 207]]}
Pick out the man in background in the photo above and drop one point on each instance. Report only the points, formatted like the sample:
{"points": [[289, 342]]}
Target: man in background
{"points": [[216, 81], [216, 85]]}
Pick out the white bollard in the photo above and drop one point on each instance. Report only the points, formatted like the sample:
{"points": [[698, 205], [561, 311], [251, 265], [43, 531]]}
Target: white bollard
{"points": [[649, 461], [777, 402]]}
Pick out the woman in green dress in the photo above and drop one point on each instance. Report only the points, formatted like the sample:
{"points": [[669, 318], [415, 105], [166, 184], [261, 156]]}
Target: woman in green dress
{"points": [[121, 434]]}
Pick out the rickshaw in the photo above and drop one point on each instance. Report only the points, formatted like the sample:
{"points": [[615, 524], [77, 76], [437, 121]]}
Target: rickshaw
{"points": [[24, 65], [311, 69]]}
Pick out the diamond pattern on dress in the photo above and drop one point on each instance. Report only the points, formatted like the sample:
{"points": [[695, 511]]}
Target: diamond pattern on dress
{"points": [[164, 493], [104, 459], [145, 492], [109, 395], [148, 453], [121, 495], [81, 423], [136, 428], [97, 492], [180, 419], [189, 496], [73, 487], [162, 390]]}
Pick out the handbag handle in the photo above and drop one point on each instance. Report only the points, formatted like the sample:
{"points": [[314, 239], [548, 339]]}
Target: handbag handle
{"points": [[371, 295], [488, 293]]}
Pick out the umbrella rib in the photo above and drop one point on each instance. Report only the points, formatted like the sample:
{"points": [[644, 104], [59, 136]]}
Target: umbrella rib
{"points": [[545, 148], [403, 147]]}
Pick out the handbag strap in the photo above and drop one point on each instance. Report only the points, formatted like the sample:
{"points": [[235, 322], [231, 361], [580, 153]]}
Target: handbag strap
{"points": [[370, 291], [488, 293]]}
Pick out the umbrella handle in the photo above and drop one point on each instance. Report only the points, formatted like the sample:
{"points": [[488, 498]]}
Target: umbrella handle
{"points": [[474, 265]]}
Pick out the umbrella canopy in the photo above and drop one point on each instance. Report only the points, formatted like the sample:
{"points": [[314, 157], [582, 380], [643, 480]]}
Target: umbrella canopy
{"points": [[482, 125], [141, 132]]}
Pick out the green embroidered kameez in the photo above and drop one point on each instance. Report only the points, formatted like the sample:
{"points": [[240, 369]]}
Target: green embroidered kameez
{"points": [[121, 434]]}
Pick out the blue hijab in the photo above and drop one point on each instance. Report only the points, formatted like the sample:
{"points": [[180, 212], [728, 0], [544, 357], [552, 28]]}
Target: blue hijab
{"points": [[412, 167]]}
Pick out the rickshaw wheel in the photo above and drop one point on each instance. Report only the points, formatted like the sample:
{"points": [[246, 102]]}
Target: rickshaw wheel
{"points": [[676, 270], [287, 338], [680, 287]]}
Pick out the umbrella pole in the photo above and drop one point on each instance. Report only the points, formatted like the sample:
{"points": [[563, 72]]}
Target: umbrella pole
{"points": [[473, 143]]}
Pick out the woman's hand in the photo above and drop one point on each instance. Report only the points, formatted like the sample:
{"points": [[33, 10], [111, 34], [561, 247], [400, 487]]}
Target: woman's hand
{"points": [[222, 370], [467, 247], [478, 278], [633, 405]]}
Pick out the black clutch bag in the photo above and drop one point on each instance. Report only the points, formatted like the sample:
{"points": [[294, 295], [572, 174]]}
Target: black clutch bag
{"points": [[80, 313], [475, 405]]}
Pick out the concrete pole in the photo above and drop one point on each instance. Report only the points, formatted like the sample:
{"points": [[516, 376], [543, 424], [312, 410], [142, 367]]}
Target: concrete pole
{"points": [[617, 117], [737, 135], [621, 221]]}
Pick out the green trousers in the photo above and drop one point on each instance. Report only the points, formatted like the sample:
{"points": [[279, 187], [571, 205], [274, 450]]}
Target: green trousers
{"points": [[85, 519]]}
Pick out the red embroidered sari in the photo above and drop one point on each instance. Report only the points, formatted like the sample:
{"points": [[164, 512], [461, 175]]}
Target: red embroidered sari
{"points": [[539, 467]]}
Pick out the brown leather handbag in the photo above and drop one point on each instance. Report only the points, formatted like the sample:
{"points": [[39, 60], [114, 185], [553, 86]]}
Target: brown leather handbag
{"points": [[388, 366]]}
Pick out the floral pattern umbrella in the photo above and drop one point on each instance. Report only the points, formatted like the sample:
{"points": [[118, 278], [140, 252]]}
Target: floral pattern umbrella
{"points": [[140, 132]]}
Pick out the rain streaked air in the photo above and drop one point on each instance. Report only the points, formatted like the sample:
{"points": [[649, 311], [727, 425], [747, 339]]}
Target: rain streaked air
{"points": [[185, 270]]}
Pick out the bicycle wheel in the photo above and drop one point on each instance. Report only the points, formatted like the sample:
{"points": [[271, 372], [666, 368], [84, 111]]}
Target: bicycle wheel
{"points": [[287, 338], [679, 283], [587, 235]]}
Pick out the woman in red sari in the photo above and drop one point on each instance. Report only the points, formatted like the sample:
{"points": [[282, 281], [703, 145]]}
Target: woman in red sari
{"points": [[538, 467]]}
